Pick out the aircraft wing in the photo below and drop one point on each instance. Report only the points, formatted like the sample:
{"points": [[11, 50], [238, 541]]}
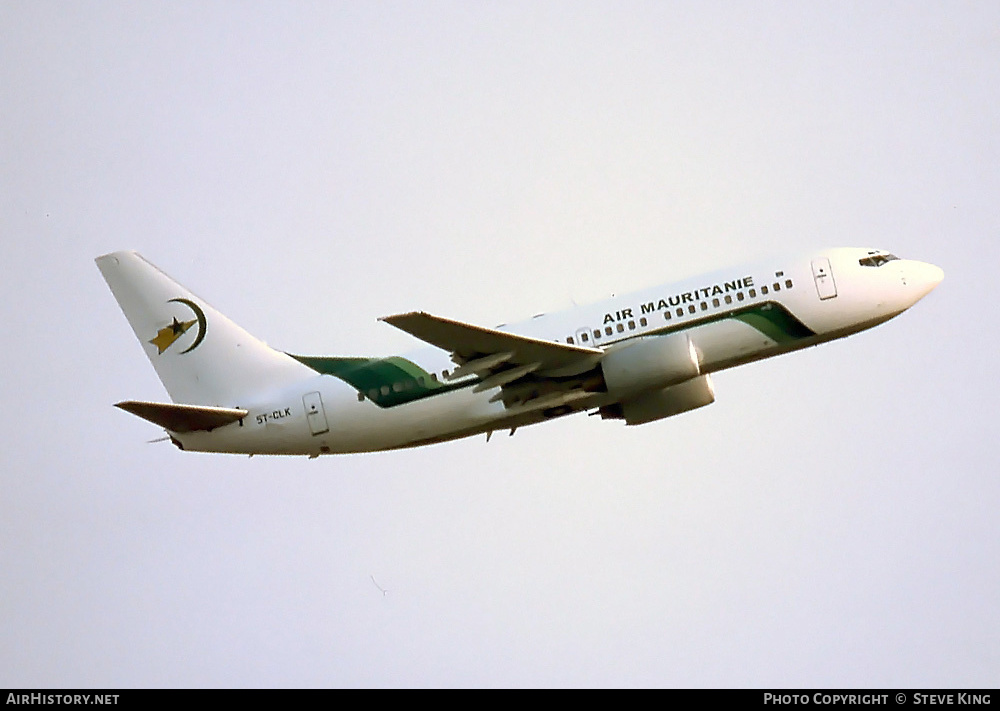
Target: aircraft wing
{"points": [[483, 350]]}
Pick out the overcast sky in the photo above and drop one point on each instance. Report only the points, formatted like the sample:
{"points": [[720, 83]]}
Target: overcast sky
{"points": [[308, 167]]}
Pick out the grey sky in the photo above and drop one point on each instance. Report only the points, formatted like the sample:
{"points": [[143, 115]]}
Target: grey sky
{"points": [[309, 167]]}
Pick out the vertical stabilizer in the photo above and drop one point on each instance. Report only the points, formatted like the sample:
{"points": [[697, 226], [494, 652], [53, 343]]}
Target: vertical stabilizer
{"points": [[200, 356]]}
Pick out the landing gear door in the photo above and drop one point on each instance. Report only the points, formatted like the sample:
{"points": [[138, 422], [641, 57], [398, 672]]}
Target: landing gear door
{"points": [[315, 413], [826, 287]]}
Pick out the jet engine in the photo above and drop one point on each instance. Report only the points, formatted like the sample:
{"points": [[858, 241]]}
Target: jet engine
{"points": [[650, 363], [653, 378], [667, 402]]}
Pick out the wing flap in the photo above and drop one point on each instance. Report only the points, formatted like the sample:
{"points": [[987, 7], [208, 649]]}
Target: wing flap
{"points": [[480, 366], [183, 418], [505, 377], [469, 343]]}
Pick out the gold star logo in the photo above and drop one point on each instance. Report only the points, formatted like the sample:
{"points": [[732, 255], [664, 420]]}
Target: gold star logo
{"points": [[166, 336]]}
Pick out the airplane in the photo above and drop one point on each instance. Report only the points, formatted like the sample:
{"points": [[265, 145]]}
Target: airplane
{"points": [[638, 358]]}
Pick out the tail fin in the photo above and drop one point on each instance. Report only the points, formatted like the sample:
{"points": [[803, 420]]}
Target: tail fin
{"points": [[200, 356]]}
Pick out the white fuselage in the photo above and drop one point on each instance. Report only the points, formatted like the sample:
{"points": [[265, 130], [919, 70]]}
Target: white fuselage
{"points": [[733, 317]]}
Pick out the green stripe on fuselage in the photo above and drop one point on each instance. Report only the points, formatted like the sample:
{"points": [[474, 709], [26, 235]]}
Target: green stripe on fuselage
{"points": [[385, 381], [770, 318], [775, 321]]}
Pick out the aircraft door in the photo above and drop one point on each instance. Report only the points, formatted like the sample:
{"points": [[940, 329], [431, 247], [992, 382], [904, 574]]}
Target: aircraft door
{"points": [[826, 287], [315, 413]]}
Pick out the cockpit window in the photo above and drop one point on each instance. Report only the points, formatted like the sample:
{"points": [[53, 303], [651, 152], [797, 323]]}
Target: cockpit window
{"points": [[877, 260]]}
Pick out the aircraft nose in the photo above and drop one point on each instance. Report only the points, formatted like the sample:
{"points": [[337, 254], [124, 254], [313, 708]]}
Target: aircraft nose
{"points": [[924, 276]]}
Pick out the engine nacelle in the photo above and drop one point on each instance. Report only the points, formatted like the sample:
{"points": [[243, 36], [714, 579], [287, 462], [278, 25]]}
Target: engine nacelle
{"points": [[674, 400], [649, 364]]}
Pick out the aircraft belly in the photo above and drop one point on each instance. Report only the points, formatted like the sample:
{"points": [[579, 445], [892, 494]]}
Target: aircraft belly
{"points": [[364, 426]]}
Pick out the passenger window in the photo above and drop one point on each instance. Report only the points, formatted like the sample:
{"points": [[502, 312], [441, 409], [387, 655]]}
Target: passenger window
{"points": [[372, 394], [385, 390], [776, 286], [666, 315], [763, 291], [569, 339], [788, 283], [715, 303], [584, 337], [397, 387], [729, 299], [597, 333], [643, 321], [691, 309], [680, 312], [753, 293], [631, 325], [739, 296], [704, 306], [361, 396], [608, 331], [621, 327]]}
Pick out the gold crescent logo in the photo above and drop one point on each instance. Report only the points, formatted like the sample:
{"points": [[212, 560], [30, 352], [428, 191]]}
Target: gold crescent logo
{"points": [[167, 335]]}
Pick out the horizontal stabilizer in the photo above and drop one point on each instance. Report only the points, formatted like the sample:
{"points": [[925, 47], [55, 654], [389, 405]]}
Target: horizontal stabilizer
{"points": [[183, 418]]}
